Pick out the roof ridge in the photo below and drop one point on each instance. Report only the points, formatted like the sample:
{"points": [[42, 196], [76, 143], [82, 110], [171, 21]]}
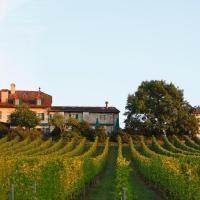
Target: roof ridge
{"points": [[91, 109], [85, 106]]}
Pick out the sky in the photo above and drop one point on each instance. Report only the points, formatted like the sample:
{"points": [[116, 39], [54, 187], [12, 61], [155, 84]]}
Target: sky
{"points": [[87, 52]]}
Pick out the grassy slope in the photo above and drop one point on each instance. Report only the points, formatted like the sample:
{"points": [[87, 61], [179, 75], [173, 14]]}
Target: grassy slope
{"points": [[105, 188], [140, 190]]}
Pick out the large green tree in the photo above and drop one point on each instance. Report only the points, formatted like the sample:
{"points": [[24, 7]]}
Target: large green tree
{"points": [[24, 117], [159, 108]]}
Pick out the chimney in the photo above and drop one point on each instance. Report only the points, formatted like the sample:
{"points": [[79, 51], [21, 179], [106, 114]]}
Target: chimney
{"points": [[4, 96], [12, 88], [106, 104]]}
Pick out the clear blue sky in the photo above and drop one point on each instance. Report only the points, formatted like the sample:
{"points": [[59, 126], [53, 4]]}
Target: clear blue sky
{"points": [[86, 52]]}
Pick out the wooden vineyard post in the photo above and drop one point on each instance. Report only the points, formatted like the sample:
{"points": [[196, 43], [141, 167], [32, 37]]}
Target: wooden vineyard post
{"points": [[12, 193], [84, 192], [34, 190], [124, 193]]}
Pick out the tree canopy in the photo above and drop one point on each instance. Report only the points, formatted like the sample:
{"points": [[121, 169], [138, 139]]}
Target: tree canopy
{"points": [[70, 124], [24, 117], [58, 120], [159, 108]]}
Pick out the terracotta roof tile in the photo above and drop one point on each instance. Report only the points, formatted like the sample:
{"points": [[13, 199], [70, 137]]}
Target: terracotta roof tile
{"points": [[197, 111], [28, 97]]}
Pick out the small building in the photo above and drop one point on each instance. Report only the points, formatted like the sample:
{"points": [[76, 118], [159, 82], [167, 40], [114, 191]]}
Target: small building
{"points": [[196, 113], [41, 103]]}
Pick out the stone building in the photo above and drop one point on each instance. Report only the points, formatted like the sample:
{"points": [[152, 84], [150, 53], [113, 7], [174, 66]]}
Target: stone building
{"points": [[106, 116], [196, 113], [41, 103]]}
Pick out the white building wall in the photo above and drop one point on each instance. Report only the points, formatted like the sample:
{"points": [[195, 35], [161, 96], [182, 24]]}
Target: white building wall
{"points": [[74, 115], [5, 113]]}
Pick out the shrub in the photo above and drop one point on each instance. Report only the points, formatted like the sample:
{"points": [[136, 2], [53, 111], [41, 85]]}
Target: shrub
{"points": [[56, 133], [24, 133], [89, 134], [17, 132], [3, 130], [101, 134], [33, 134], [68, 135]]}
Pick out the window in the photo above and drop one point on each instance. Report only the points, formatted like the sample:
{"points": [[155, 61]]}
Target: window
{"points": [[39, 102], [40, 116], [73, 115], [110, 117], [103, 117], [16, 101]]}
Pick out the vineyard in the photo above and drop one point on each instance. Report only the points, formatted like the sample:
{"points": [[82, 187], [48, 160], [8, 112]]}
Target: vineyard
{"points": [[168, 168]]}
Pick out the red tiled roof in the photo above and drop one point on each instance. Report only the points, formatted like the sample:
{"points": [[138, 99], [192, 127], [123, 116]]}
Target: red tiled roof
{"points": [[28, 97], [197, 111]]}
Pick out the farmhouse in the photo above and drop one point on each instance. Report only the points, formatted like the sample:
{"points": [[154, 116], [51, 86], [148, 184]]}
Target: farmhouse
{"points": [[41, 103]]}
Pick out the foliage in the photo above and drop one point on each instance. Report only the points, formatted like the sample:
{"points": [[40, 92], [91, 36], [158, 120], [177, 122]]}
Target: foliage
{"points": [[3, 130], [160, 150], [78, 150], [159, 108], [3, 140], [87, 131], [101, 134], [58, 121], [91, 150], [179, 144], [56, 146], [114, 134], [55, 133], [166, 173], [59, 170], [196, 139], [123, 170], [69, 127], [23, 133], [23, 117], [73, 123], [67, 148], [55, 177], [83, 127], [189, 142], [168, 145], [6, 168], [8, 144], [68, 135]]}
